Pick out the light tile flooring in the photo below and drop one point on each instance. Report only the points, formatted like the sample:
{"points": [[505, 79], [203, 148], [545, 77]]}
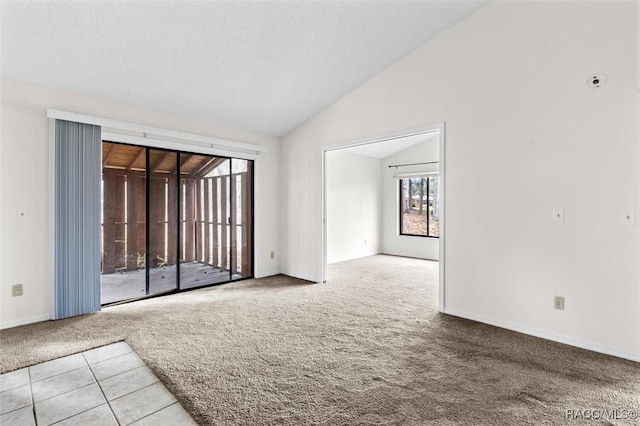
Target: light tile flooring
{"points": [[109, 385]]}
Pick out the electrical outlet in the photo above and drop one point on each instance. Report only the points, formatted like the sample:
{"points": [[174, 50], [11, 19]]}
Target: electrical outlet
{"points": [[273, 255], [558, 302], [365, 242], [16, 290]]}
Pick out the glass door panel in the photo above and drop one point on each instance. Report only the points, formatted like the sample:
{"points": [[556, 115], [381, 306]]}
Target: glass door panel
{"points": [[241, 219], [123, 222], [163, 224], [204, 208], [222, 175]]}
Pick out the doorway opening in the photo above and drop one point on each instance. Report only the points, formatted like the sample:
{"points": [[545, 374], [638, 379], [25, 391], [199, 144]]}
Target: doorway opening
{"points": [[386, 195], [172, 221]]}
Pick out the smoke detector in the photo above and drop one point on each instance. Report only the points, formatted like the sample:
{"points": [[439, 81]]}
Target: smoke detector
{"points": [[595, 81]]}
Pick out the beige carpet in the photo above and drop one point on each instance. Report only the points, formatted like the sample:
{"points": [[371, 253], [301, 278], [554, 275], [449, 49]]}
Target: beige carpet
{"points": [[367, 347]]}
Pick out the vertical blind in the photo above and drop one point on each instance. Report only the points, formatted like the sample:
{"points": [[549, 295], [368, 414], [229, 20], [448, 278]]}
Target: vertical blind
{"points": [[77, 219]]}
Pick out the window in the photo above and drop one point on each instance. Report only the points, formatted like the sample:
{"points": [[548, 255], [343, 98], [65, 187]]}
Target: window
{"points": [[419, 206]]}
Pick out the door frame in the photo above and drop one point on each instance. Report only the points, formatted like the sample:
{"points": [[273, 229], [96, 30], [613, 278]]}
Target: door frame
{"points": [[440, 128]]}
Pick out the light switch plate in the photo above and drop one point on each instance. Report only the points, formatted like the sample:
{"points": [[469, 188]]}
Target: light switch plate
{"points": [[628, 217], [558, 215]]}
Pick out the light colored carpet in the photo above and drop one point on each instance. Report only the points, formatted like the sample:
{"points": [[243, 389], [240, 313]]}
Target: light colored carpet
{"points": [[367, 347]]}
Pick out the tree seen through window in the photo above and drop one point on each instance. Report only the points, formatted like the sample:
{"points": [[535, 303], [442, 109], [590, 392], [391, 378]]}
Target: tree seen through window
{"points": [[419, 206]]}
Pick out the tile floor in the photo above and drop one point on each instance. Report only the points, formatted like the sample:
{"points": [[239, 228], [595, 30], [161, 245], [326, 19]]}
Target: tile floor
{"points": [[109, 385]]}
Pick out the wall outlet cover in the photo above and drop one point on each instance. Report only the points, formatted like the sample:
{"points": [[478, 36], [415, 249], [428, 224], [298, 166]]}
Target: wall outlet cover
{"points": [[16, 290], [558, 302]]}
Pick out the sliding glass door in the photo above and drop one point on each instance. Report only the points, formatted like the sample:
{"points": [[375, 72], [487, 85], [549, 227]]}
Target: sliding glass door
{"points": [[173, 221]]}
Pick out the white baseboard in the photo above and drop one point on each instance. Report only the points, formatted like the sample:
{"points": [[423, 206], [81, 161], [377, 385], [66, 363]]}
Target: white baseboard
{"points": [[300, 276], [24, 321], [409, 257], [264, 274], [359, 256], [545, 335]]}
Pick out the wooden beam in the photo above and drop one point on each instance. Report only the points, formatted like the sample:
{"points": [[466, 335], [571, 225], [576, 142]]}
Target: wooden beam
{"points": [[224, 251], [207, 166], [245, 207], [202, 166], [136, 158], [207, 220], [160, 161], [113, 227], [199, 228], [141, 215], [233, 223], [172, 215], [132, 222], [156, 221], [109, 154], [136, 235], [184, 158], [250, 218], [214, 220], [189, 220]]}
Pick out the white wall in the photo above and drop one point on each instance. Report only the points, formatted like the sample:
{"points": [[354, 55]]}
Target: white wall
{"points": [[523, 136], [392, 241], [24, 188], [354, 203]]}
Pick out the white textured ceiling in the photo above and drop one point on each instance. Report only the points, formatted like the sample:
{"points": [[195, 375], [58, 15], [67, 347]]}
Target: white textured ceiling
{"points": [[265, 66]]}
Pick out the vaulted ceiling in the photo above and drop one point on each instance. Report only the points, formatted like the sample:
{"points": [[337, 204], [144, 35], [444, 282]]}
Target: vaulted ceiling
{"points": [[265, 66]]}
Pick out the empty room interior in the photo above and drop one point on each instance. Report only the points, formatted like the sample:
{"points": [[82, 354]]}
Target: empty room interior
{"points": [[339, 213]]}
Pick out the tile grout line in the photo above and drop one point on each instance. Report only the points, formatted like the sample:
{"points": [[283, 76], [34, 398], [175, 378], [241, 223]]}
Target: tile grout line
{"points": [[77, 414], [110, 359], [73, 369], [55, 375], [119, 374], [109, 356], [125, 372], [144, 387], [15, 387], [39, 380], [103, 394], [107, 359], [63, 393], [160, 409], [73, 415], [33, 402]]}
